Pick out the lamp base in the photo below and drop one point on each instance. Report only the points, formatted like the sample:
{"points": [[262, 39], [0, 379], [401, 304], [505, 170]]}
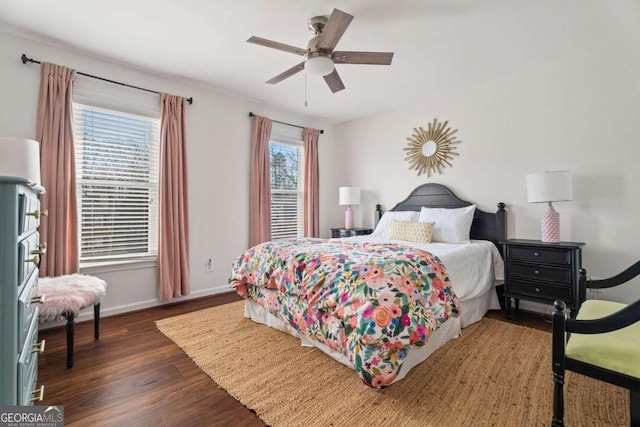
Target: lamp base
{"points": [[551, 226], [348, 218]]}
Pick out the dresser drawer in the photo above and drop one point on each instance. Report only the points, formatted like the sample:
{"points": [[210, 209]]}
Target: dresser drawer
{"points": [[540, 272], [28, 212], [28, 259], [541, 290], [543, 255], [28, 365], [27, 309]]}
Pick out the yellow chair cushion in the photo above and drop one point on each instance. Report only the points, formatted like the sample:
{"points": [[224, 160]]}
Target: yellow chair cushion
{"points": [[617, 351]]}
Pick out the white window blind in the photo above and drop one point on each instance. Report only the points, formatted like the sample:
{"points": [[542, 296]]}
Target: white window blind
{"points": [[287, 185], [117, 182]]}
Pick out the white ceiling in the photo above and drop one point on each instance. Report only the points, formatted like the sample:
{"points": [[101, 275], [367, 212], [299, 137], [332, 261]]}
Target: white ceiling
{"points": [[460, 42]]}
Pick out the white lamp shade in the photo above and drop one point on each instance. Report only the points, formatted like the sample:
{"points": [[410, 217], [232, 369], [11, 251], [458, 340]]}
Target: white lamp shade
{"points": [[20, 157], [319, 65], [553, 186], [349, 196]]}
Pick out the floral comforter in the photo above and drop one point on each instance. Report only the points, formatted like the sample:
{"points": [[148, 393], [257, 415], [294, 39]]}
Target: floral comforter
{"points": [[370, 301]]}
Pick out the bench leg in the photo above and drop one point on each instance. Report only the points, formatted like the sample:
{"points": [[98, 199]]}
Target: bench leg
{"points": [[635, 408], [70, 332], [96, 321]]}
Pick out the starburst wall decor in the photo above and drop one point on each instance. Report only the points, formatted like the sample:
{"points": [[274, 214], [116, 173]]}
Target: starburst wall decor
{"points": [[429, 151]]}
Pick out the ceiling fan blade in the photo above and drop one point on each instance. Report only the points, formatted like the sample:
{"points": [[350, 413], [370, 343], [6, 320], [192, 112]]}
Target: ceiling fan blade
{"points": [[375, 58], [333, 31], [290, 72], [334, 81], [275, 45]]}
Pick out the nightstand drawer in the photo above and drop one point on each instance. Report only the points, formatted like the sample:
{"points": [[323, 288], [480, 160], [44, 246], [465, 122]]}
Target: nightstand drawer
{"points": [[541, 290], [543, 255], [539, 272]]}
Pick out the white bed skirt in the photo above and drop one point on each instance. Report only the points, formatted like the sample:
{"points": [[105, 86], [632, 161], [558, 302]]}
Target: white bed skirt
{"points": [[474, 309]]}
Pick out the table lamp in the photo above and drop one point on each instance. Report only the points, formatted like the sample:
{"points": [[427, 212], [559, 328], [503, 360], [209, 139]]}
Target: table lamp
{"points": [[547, 187], [349, 196]]}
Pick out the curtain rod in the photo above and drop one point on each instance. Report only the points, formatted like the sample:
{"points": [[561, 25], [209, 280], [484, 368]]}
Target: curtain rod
{"points": [[26, 59], [283, 123]]}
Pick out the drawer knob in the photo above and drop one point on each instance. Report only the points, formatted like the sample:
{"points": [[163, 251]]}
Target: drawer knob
{"points": [[35, 260], [38, 299], [38, 213], [537, 290], [536, 254], [536, 272], [38, 347], [38, 394]]}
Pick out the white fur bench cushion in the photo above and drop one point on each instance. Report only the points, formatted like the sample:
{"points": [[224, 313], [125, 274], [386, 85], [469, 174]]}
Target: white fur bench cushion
{"points": [[71, 292]]}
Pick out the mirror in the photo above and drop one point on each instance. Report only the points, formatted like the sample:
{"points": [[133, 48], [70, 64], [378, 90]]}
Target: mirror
{"points": [[432, 149], [429, 148]]}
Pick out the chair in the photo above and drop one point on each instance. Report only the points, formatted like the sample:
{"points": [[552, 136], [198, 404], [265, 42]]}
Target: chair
{"points": [[602, 342], [65, 296]]}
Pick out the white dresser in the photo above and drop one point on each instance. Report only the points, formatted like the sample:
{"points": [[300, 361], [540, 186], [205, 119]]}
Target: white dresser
{"points": [[20, 251]]}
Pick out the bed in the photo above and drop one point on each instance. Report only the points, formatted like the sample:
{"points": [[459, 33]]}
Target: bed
{"points": [[351, 298]]}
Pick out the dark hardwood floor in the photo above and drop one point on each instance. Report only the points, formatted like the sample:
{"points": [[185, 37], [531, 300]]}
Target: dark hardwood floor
{"points": [[135, 376]]}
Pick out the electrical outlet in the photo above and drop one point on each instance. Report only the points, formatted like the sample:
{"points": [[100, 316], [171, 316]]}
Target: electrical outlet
{"points": [[209, 265]]}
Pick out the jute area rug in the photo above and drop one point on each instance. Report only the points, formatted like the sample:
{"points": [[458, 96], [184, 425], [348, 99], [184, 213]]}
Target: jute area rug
{"points": [[495, 374]]}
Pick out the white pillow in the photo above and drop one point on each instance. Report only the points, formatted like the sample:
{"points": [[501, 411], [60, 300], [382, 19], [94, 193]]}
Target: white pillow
{"points": [[383, 229], [452, 225]]}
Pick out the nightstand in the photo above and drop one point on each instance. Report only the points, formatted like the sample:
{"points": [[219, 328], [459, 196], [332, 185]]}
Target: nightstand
{"points": [[350, 232], [543, 272]]}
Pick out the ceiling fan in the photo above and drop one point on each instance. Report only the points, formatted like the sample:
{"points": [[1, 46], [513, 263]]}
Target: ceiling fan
{"points": [[319, 56]]}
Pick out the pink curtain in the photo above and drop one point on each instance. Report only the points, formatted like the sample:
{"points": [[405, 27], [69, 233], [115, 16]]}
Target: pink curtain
{"points": [[260, 227], [311, 184], [173, 211], [57, 169]]}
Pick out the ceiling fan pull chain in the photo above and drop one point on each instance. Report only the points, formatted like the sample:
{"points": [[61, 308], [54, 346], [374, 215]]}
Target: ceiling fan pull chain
{"points": [[305, 88]]}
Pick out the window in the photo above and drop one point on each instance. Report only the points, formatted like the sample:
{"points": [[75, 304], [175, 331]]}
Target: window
{"points": [[287, 183], [117, 183]]}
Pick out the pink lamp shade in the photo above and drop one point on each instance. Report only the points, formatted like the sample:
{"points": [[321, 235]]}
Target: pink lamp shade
{"points": [[349, 196], [547, 187]]}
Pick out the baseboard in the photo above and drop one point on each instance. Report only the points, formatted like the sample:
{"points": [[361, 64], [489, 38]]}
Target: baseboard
{"points": [[87, 314]]}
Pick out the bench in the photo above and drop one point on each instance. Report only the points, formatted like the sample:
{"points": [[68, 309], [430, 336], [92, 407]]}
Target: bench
{"points": [[65, 296]]}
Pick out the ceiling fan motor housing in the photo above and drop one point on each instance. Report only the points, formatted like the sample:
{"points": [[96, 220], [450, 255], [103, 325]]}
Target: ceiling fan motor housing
{"points": [[317, 24]]}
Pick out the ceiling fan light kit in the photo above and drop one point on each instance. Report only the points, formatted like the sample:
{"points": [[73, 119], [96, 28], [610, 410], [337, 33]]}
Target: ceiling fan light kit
{"points": [[319, 65], [319, 57]]}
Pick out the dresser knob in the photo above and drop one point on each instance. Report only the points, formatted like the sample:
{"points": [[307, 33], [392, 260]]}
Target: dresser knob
{"points": [[38, 347], [39, 299], [536, 272], [38, 213], [39, 251], [537, 290], [38, 394], [35, 260], [536, 254]]}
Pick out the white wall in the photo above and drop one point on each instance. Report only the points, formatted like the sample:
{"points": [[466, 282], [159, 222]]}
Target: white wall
{"points": [[575, 109], [218, 138]]}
